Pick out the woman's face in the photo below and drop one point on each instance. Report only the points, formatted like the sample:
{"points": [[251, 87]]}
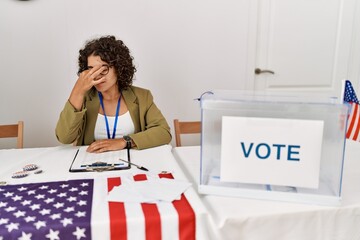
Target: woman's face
{"points": [[109, 73]]}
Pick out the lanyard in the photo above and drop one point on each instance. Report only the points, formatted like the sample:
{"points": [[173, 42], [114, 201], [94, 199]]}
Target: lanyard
{"points": [[106, 120]]}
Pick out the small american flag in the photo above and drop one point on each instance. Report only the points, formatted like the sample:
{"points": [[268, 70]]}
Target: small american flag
{"points": [[352, 131], [50, 210]]}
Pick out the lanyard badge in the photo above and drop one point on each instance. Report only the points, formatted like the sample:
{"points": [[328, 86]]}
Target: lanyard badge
{"points": [[106, 120]]}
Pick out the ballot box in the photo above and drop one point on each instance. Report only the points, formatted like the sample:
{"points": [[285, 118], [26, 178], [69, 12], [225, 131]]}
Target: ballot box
{"points": [[277, 146]]}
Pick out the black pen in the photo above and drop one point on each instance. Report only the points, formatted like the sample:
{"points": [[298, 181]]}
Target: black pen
{"points": [[139, 167]]}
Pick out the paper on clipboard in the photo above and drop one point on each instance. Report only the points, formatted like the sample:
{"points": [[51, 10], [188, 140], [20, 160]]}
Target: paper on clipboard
{"points": [[85, 161]]}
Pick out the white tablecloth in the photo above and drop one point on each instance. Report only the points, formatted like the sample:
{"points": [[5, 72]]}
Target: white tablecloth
{"points": [[251, 219], [55, 163]]}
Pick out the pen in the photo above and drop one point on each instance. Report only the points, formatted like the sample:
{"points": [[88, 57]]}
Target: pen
{"points": [[139, 167]]}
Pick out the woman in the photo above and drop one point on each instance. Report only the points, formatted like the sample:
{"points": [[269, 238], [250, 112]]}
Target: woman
{"points": [[104, 110]]}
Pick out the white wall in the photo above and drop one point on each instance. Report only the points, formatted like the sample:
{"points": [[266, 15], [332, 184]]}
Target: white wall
{"points": [[181, 49]]}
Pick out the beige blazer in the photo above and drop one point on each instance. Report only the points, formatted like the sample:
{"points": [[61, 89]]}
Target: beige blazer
{"points": [[151, 128]]}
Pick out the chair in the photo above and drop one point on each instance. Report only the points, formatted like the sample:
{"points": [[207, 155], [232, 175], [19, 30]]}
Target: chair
{"points": [[185, 128], [13, 131]]}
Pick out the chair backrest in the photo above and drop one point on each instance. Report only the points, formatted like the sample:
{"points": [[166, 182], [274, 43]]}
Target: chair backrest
{"points": [[13, 131], [185, 128]]}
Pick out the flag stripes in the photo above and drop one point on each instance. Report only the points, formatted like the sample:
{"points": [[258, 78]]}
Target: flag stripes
{"points": [[151, 214], [350, 98], [118, 229], [187, 224], [354, 125], [158, 224]]}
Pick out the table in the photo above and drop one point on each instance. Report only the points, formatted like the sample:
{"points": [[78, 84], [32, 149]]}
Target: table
{"points": [[242, 218], [55, 163]]}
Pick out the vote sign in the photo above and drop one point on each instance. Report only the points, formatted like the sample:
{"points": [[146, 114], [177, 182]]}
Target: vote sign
{"points": [[273, 151]]}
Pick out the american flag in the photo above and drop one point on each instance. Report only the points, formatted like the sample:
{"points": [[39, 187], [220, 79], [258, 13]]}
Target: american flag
{"points": [[64, 209], [50, 210], [352, 131]]}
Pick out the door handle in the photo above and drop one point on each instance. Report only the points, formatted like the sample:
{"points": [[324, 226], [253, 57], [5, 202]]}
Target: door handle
{"points": [[259, 71]]}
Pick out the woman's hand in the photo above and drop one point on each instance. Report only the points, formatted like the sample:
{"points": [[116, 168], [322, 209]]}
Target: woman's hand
{"points": [[87, 79], [106, 145]]}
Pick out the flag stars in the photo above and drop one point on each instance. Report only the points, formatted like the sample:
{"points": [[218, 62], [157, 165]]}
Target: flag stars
{"points": [[49, 209], [30, 219], [8, 194], [69, 209], [43, 187], [349, 95], [40, 224], [53, 235], [51, 191], [81, 203], [58, 205], [66, 221], [79, 233], [3, 204], [71, 199], [4, 221], [49, 200], [55, 216], [22, 188], [25, 236], [73, 189], [19, 214], [12, 226], [45, 212], [35, 206], [40, 196], [83, 193], [31, 192], [10, 209], [80, 214], [63, 194], [26, 202], [17, 198]]}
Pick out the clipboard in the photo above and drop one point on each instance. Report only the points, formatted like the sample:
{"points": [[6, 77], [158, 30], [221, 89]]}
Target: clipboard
{"points": [[98, 162]]}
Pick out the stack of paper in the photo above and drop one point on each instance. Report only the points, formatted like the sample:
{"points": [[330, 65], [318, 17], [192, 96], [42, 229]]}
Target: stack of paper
{"points": [[149, 191]]}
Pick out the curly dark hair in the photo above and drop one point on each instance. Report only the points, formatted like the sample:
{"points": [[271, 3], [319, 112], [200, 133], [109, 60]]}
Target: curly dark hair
{"points": [[115, 53]]}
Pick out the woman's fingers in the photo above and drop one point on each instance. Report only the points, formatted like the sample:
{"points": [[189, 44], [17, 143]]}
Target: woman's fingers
{"points": [[106, 145], [95, 72], [98, 81], [97, 146], [103, 146]]}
